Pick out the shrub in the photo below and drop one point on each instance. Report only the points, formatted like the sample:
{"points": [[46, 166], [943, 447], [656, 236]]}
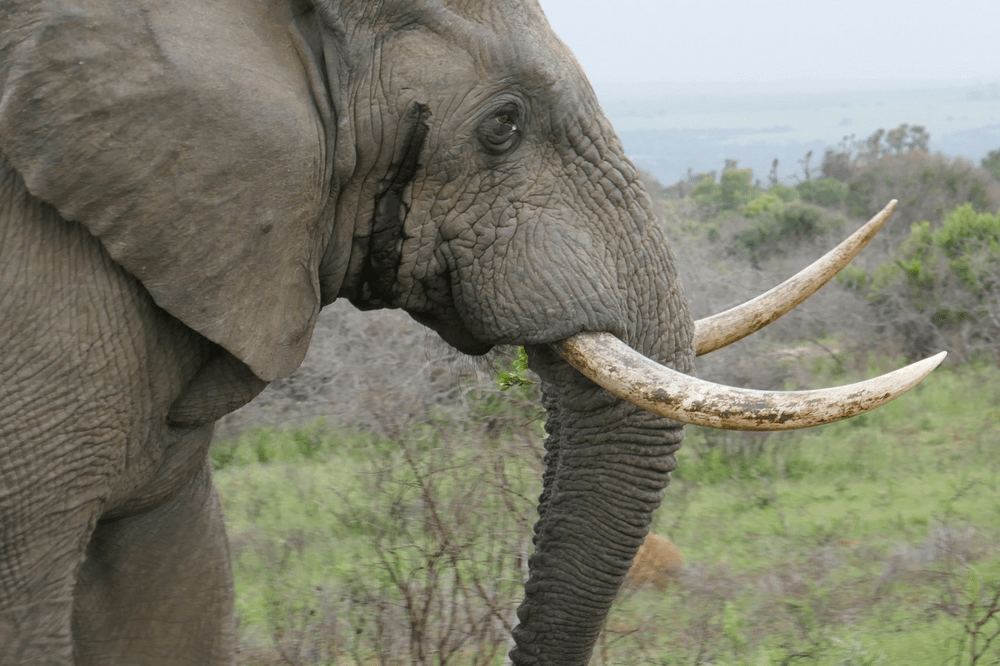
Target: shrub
{"points": [[844, 161], [944, 289], [785, 193], [707, 192], [762, 204], [854, 278], [737, 188], [992, 163], [779, 227], [826, 192], [971, 243], [927, 187], [837, 164]]}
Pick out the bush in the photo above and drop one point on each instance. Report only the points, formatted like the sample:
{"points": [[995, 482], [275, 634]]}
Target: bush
{"points": [[785, 193], [844, 162], [927, 187], [382, 550], [737, 188], [707, 192], [944, 291], [762, 204], [826, 192], [780, 227], [854, 278], [971, 243], [992, 163]]}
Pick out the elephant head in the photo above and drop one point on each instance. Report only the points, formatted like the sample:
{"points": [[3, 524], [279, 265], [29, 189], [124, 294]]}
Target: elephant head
{"points": [[249, 161]]}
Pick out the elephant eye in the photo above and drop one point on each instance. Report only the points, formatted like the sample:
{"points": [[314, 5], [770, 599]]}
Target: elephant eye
{"points": [[499, 133]]}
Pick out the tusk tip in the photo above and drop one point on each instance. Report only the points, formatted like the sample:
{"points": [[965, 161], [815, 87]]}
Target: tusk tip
{"points": [[886, 212], [879, 220], [937, 359], [919, 370]]}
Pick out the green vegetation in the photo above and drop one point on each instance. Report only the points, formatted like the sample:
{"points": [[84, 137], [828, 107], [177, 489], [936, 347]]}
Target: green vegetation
{"points": [[964, 250], [783, 192], [707, 192], [927, 187], [775, 226], [827, 192], [858, 178], [765, 203], [874, 538], [931, 278], [946, 274], [737, 188], [992, 163], [514, 375]]}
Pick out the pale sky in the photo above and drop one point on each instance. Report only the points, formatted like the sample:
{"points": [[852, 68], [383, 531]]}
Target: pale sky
{"points": [[743, 41]]}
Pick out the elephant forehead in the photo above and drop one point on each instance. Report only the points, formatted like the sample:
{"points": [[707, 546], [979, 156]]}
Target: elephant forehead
{"points": [[495, 44], [421, 55]]}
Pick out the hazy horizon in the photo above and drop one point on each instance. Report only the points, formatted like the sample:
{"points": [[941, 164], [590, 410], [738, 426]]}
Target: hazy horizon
{"points": [[666, 132], [688, 85], [732, 42]]}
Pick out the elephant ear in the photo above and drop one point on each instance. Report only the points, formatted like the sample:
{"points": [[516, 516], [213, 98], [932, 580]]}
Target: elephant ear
{"points": [[186, 137]]}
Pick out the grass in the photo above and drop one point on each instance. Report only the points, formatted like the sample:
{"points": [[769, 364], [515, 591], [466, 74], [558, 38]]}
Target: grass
{"points": [[870, 541]]}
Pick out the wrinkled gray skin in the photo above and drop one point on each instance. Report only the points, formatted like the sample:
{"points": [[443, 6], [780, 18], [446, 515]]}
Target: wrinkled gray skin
{"points": [[184, 184]]}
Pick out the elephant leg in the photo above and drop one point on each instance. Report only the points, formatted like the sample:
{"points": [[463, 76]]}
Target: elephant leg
{"points": [[58, 450], [90, 459], [156, 588], [41, 550]]}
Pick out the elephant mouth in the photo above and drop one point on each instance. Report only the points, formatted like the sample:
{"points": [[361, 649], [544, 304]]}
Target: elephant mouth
{"points": [[612, 364], [453, 332]]}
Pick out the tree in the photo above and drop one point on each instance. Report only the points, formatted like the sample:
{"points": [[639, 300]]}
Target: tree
{"points": [[872, 148], [918, 139], [707, 192], [928, 186], [905, 138], [992, 163], [737, 187], [844, 161], [826, 192], [838, 162], [806, 172]]}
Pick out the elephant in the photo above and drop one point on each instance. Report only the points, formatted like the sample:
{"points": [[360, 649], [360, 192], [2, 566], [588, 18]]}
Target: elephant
{"points": [[658, 562], [183, 185]]}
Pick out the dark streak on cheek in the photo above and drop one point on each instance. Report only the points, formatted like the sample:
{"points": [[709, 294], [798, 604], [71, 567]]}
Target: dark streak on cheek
{"points": [[378, 275]]}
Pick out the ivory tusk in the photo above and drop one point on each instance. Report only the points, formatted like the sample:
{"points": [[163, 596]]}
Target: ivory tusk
{"points": [[721, 329], [611, 363]]}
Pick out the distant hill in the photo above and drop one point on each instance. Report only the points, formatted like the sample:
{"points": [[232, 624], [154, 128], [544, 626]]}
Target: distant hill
{"points": [[666, 132]]}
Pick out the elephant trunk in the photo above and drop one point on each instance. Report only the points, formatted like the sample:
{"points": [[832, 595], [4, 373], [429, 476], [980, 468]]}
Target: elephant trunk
{"points": [[607, 465]]}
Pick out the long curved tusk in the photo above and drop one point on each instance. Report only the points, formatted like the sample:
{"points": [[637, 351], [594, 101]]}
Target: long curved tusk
{"points": [[721, 329], [628, 374]]}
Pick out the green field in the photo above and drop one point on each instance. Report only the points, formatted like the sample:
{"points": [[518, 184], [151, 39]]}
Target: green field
{"points": [[871, 541]]}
